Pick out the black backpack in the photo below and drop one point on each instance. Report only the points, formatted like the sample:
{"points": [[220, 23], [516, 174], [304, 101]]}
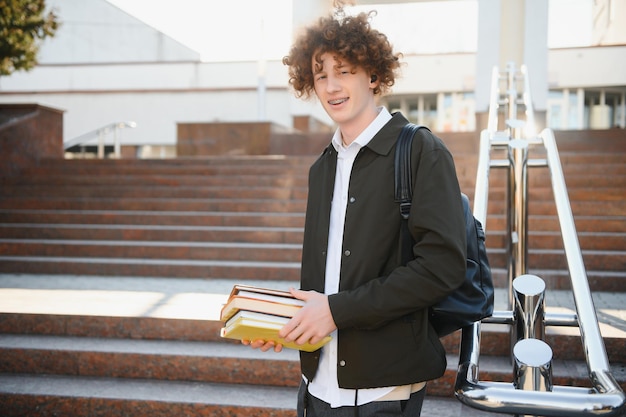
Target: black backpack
{"points": [[473, 300]]}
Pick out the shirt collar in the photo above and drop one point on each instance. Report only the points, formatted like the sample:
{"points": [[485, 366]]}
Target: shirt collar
{"points": [[366, 135]]}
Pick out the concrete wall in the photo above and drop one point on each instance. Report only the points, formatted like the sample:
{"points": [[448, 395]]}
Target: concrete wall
{"points": [[197, 139], [157, 96], [95, 31], [28, 133], [603, 66]]}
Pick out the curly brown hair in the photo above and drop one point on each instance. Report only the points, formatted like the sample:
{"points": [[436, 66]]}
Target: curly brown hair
{"points": [[349, 38]]}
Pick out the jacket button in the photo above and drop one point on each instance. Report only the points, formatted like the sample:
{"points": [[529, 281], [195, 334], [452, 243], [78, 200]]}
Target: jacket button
{"points": [[347, 252], [342, 363], [352, 199]]}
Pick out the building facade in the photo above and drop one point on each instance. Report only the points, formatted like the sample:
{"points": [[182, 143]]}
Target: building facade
{"points": [[106, 66]]}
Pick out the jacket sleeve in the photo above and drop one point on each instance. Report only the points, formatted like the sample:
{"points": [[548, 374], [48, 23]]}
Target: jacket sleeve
{"points": [[437, 224]]}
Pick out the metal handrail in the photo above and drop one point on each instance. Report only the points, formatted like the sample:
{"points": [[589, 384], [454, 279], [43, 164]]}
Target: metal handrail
{"points": [[529, 112], [492, 123], [606, 398], [100, 134]]}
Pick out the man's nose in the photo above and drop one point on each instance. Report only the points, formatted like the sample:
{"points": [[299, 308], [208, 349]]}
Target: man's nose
{"points": [[332, 83]]}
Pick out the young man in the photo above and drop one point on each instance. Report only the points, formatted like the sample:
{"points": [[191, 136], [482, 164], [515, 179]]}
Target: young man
{"points": [[383, 348]]}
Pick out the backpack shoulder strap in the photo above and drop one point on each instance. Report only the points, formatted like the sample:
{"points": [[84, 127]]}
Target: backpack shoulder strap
{"points": [[403, 173], [404, 186]]}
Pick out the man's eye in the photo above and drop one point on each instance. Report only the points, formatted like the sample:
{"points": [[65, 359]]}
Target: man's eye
{"points": [[320, 77]]}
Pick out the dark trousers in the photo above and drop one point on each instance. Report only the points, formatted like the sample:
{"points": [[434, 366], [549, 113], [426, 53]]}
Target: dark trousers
{"points": [[401, 408]]}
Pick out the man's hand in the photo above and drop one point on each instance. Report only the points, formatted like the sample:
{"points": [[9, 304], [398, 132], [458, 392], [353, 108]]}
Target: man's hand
{"points": [[313, 322], [263, 345]]}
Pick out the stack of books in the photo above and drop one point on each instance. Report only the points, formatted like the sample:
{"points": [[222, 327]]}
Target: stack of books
{"points": [[254, 313]]}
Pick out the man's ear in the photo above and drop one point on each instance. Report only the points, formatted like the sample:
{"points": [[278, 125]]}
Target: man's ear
{"points": [[374, 78]]}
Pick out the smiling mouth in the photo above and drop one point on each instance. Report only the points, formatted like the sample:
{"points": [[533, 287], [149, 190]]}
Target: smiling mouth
{"points": [[338, 101]]}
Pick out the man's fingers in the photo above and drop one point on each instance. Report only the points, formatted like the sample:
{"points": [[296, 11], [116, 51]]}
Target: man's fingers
{"points": [[309, 337], [263, 345], [289, 331], [299, 294]]}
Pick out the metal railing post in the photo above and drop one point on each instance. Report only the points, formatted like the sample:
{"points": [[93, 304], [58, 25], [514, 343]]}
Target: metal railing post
{"points": [[511, 91], [529, 307], [517, 206], [532, 356], [116, 143], [100, 144], [533, 367]]}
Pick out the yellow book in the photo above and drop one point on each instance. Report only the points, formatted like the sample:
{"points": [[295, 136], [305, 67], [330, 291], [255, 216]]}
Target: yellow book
{"points": [[251, 325]]}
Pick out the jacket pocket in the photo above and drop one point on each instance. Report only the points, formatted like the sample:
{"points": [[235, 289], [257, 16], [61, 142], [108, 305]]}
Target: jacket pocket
{"points": [[401, 352]]}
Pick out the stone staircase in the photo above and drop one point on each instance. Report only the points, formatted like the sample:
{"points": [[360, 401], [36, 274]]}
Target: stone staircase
{"points": [[112, 273], [207, 218]]}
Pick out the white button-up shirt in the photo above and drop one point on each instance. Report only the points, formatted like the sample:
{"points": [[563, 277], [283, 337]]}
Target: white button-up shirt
{"points": [[325, 386]]}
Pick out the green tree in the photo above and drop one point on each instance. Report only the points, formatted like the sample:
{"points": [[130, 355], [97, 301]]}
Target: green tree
{"points": [[23, 26]]}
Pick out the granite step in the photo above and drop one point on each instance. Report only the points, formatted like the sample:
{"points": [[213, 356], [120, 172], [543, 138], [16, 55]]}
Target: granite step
{"points": [[194, 218], [184, 268], [47, 395], [550, 223], [579, 208], [590, 191], [570, 158], [216, 362], [275, 192], [246, 270], [158, 359], [173, 360], [249, 191], [152, 233], [559, 279], [155, 204], [574, 165], [284, 160], [74, 330], [241, 270], [60, 231], [162, 250], [592, 141], [584, 176], [595, 240], [222, 166], [496, 223], [158, 179], [598, 260]]}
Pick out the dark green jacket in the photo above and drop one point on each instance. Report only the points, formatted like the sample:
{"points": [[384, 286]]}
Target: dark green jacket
{"points": [[381, 310]]}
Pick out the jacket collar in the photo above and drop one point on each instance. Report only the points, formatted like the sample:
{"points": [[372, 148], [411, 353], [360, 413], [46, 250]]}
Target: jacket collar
{"points": [[385, 139]]}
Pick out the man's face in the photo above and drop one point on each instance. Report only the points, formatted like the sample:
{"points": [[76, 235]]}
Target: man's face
{"points": [[345, 91]]}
